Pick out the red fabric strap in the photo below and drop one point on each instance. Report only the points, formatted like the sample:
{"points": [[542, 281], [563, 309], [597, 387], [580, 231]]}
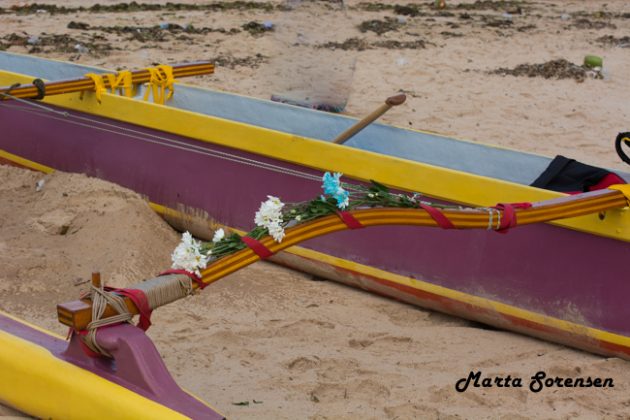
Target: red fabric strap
{"points": [[88, 351], [438, 216], [508, 219], [190, 274], [259, 249], [142, 304], [349, 220]]}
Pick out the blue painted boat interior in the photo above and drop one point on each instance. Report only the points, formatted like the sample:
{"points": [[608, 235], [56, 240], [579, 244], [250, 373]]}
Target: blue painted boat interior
{"points": [[505, 164]]}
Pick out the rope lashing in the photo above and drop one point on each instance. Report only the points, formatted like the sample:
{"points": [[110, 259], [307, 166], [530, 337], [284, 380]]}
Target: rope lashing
{"points": [[491, 211], [163, 289], [161, 79], [100, 299], [146, 296], [191, 275]]}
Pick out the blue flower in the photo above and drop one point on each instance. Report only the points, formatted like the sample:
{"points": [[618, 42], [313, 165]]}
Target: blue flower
{"points": [[332, 186], [343, 198], [331, 182]]}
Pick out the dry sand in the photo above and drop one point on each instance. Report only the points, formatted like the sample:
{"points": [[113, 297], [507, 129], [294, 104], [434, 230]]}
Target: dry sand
{"points": [[304, 348]]}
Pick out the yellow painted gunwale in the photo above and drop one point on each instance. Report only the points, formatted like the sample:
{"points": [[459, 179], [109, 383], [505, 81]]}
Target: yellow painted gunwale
{"points": [[36, 382], [359, 164]]}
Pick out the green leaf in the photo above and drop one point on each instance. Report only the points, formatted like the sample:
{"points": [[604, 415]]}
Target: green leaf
{"points": [[378, 186]]}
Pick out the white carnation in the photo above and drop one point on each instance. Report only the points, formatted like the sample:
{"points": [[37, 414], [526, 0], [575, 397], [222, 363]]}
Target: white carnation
{"points": [[188, 256], [218, 235], [270, 216]]}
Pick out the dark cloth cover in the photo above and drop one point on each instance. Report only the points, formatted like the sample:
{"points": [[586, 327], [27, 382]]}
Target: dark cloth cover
{"points": [[573, 177]]}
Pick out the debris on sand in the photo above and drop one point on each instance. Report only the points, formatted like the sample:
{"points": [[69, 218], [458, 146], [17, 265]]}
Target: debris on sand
{"points": [[157, 33], [63, 43], [374, 7], [359, 44], [356, 44], [511, 6], [139, 7], [257, 28], [253, 61], [409, 10], [609, 40], [590, 24], [380, 26], [555, 69]]}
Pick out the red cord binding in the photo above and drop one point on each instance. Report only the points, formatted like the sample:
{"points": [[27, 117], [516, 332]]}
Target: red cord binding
{"points": [[439, 217], [349, 220], [508, 219], [142, 303], [259, 249]]}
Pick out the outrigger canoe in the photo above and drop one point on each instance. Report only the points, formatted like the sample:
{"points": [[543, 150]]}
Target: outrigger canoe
{"points": [[217, 154]]}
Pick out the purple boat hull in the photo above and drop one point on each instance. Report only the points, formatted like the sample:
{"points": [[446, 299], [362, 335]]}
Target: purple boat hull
{"points": [[541, 268]]}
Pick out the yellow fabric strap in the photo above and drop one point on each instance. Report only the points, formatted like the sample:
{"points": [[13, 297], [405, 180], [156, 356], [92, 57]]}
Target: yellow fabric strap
{"points": [[121, 81], [161, 79], [99, 85]]}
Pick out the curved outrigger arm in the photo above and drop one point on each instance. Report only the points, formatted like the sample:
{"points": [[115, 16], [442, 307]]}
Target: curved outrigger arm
{"points": [[78, 314]]}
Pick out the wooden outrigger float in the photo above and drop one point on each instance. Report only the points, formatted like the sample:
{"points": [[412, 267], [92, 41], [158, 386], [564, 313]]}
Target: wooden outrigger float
{"points": [[221, 154]]}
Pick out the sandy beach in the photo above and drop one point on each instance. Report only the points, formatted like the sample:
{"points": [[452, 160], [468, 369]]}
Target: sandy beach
{"points": [[268, 342]]}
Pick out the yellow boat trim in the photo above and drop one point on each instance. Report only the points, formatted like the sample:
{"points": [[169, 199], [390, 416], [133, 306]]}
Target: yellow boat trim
{"points": [[25, 162], [33, 326], [56, 395], [399, 173], [37, 383]]}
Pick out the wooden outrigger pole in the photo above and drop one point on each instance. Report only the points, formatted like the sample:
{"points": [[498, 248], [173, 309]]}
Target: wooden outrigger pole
{"points": [[78, 314]]}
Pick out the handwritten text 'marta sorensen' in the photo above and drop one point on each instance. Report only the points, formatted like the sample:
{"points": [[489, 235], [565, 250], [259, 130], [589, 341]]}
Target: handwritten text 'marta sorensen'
{"points": [[537, 382]]}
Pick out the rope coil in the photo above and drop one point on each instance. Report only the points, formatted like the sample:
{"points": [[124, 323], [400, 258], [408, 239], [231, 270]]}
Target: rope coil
{"points": [[165, 289]]}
